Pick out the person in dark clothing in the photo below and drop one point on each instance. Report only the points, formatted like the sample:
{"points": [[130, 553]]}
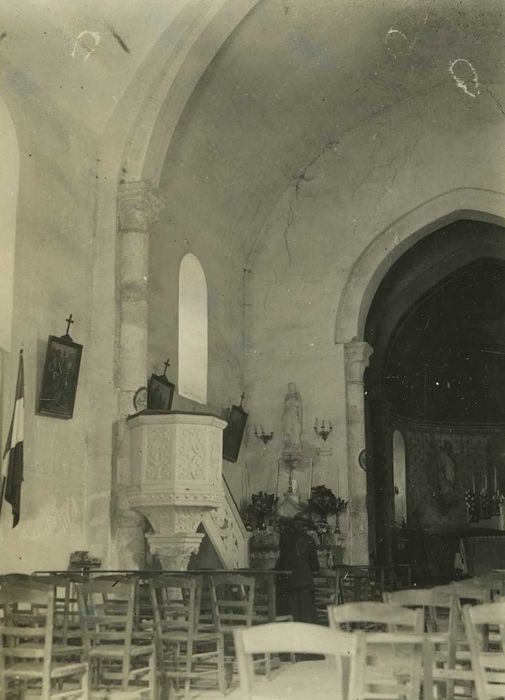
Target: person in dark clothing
{"points": [[298, 554]]}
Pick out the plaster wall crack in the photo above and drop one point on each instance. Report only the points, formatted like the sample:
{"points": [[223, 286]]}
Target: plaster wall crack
{"points": [[495, 100], [298, 179]]}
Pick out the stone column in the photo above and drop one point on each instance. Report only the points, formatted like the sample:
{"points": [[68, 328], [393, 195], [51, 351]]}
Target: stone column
{"points": [[138, 209], [139, 205], [357, 354]]}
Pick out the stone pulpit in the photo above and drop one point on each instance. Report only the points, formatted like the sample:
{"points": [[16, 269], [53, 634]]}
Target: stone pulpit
{"points": [[175, 478]]}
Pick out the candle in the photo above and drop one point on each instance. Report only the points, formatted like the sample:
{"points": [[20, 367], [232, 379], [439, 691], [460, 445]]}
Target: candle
{"points": [[485, 480], [495, 479], [473, 481], [315, 425]]}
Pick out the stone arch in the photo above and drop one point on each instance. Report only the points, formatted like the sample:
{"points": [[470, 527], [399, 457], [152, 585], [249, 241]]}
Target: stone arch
{"points": [[370, 268], [132, 151], [359, 290], [140, 130]]}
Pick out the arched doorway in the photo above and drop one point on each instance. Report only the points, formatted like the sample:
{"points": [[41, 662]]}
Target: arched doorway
{"points": [[436, 373]]}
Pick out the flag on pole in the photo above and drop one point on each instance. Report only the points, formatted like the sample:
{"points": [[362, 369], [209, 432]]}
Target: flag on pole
{"points": [[11, 485]]}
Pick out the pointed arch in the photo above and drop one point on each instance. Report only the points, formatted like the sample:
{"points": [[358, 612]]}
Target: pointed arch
{"points": [[370, 268]]}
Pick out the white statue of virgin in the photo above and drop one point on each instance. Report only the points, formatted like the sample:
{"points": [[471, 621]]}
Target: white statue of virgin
{"points": [[293, 419]]}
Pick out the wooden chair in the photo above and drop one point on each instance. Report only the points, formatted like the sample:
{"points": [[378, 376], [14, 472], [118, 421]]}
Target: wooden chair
{"points": [[326, 592], [375, 616], [442, 614], [118, 661], [485, 630], [232, 599], [392, 660], [67, 625], [299, 637], [358, 583], [28, 653], [185, 652], [474, 590]]}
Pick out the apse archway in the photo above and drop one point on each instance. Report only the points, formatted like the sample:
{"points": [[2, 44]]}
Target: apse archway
{"points": [[390, 244], [438, 365]]}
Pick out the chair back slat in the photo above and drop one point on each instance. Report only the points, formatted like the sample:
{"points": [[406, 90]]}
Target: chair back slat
{"points": [[26, 630], [121, 658], [298, 637], [442, 621], [326, 592], [441, 609], [176, 603], [485, 631], [386, 617], [232, 598], [392, 662], [106, 610]]}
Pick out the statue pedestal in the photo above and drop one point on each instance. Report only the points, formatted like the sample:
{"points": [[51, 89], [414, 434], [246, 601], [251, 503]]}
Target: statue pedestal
{"points": [[175, 478], [289, 506]]}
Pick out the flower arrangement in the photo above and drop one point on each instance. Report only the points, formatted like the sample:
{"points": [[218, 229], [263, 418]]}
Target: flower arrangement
{"points": [[497, 499], [484, 504], [471, 505], [323, 502], [261, 507]]}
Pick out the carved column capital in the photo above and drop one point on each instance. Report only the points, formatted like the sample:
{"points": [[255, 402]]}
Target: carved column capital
{"points": [[175, 551], [175, 520], [357, 355], [139, 206]]}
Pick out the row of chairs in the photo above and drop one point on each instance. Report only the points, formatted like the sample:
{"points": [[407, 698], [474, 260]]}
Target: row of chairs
{"points": [[64, 636], [351, 584], [120, 632], [391, 650]]}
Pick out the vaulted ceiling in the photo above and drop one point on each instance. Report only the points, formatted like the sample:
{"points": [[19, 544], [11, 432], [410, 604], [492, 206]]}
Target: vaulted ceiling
{"points": [[296, 76], [290, 81], [80, 55]]}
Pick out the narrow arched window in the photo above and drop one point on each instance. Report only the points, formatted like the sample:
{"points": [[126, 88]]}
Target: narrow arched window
{"points": [[9, 176], [192, 330], [400, 480]]}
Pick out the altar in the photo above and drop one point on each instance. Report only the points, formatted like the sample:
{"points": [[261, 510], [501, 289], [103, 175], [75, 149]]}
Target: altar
{"points": [[482, 553]]}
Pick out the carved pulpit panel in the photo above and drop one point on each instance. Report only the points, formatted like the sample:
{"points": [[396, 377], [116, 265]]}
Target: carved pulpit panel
{"points": [[175, 478]]}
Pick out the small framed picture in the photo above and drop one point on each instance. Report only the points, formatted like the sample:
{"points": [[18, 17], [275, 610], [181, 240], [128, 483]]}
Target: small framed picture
{"points": [[59, 380], [233, 433], [160, 393]]}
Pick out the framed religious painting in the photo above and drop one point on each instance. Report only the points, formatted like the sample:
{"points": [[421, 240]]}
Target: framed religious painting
{"points": [[233, 433], [160, 393], [60, 377]]}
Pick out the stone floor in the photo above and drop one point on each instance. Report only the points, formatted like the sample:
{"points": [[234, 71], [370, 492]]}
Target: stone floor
{"points": [[290, 681]]}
